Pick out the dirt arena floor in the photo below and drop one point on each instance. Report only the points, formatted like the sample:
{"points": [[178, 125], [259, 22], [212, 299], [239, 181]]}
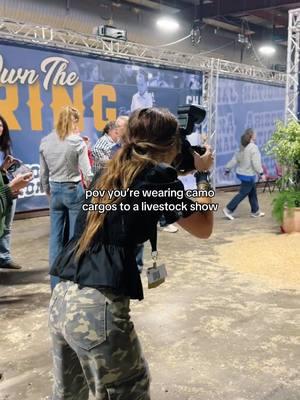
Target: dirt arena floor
{"points": [[225, 325]]}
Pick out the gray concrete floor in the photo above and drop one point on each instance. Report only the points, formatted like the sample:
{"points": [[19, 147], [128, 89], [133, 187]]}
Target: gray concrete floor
{"points": [[208, 333]]}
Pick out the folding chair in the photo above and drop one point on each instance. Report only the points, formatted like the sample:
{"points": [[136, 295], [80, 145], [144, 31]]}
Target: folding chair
{"points": [[270, 181], [278, 169]]}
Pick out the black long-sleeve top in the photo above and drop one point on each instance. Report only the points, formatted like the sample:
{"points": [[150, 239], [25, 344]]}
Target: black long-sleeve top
{"points": [[110, 261]]}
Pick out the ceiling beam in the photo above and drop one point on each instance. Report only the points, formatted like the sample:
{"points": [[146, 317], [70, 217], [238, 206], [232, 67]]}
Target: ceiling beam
{"points": [[268, 15], [153, 5], [225, 25], [229, 7]]}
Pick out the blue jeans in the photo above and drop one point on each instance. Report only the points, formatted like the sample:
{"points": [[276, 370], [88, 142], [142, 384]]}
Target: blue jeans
{"points": [[65, 203], [246, 189], [5, 256]]}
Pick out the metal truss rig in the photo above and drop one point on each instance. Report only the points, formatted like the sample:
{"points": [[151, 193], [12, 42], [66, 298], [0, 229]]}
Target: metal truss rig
{"points": [[292, 80], [210, 102], [158, 56]]}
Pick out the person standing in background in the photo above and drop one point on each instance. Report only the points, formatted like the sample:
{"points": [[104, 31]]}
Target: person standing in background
{"points": [[63, 154], [5, 162], [121, 126], [248, 161], [10, 192], [102, 149]]}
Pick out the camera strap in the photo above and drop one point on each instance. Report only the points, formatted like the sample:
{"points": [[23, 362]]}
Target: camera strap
{"points": [[153, 241], [156, 275]]}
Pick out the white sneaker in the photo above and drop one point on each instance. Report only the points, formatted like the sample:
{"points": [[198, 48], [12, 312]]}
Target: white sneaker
{"points": [[257, 214], [228, 213], [170, 228]]}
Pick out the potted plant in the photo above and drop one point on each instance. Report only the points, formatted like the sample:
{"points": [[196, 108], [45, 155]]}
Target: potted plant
{"points": [[284, 146], [286, 210]]}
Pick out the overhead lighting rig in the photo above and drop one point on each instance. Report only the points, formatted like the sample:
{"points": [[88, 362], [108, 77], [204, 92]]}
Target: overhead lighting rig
{"points": [[196, 34], [244, 39], [110, 32]]}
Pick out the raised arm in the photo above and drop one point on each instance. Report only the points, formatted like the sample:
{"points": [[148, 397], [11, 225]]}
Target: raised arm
{"points": [[200, 223]]}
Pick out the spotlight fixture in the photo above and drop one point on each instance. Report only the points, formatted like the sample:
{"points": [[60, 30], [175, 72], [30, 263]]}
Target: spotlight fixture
{"points": [[267, 50], [167, 24]]}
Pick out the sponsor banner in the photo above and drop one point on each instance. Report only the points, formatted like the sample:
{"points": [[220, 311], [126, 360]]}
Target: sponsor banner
{"points": [[243, 105], [35, 84]]}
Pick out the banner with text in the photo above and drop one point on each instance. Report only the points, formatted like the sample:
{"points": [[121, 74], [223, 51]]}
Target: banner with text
{"points": [[35, 84], [243, 105]]}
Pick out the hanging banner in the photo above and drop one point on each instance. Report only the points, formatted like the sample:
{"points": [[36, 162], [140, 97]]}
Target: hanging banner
{"points": [[35, 84], [243, 105]]}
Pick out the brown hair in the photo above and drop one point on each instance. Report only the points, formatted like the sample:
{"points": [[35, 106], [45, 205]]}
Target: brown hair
{"points": [[110, 125], [66, 119], [246, 137], [152, 136], [5, 141]]}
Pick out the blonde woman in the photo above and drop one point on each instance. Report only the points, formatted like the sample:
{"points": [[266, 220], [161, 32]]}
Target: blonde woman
{"points": [[63, 154], [95, 347]]}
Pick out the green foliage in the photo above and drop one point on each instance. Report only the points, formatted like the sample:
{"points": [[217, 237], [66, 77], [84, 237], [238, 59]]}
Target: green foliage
{"points": [[284, 144], [287, 198]]}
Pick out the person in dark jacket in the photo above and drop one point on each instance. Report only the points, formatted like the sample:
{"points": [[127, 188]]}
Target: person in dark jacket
{"points": [[7, 194], [6, 160], [95, 347]]}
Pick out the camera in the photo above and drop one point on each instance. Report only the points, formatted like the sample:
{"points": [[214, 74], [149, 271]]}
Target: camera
{"points": [[188, 116]]}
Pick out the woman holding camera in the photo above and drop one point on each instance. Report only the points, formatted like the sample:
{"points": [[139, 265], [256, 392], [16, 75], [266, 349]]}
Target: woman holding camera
{"points": [[63, 154], [95, 347]]}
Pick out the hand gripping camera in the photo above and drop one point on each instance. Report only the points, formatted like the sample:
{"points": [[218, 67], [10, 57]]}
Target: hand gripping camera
{"points": [[188, 116]]}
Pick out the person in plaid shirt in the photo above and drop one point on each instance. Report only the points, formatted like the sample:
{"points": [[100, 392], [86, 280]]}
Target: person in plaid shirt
{"points": [[102, 149]]}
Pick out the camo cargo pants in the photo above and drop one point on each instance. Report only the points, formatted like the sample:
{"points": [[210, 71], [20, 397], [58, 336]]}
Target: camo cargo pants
{"points": [[95, 347]]}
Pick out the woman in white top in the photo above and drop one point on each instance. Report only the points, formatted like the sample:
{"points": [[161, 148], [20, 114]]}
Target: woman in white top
{"points": [[63, 155], [248, 166]]}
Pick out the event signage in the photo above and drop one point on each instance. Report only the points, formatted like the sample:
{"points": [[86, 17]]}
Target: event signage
{"points": [[36, 83], [243, 105]]}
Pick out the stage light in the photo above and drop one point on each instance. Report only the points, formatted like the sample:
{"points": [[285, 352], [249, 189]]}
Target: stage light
{"points": [[267, 50], [167, 24]]}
